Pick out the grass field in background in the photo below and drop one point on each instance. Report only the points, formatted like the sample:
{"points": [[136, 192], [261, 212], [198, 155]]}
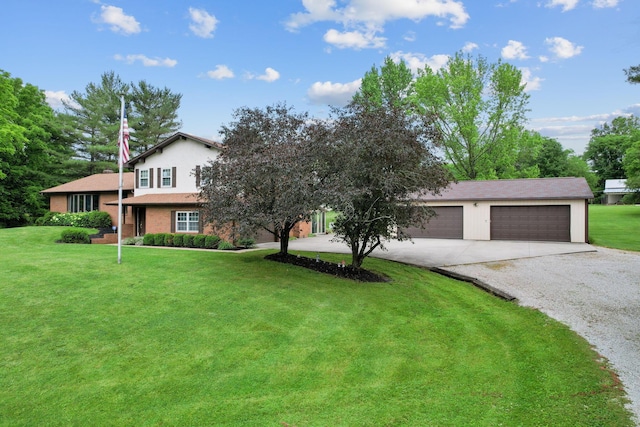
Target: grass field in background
{"points": [[615, 226], [174, 337]]}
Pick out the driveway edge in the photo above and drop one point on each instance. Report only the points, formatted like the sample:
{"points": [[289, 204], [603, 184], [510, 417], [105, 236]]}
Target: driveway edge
{"points": [[477, 282]]}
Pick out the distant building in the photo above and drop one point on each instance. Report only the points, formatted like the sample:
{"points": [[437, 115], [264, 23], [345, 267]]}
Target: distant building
{"points": [[614, 190]]}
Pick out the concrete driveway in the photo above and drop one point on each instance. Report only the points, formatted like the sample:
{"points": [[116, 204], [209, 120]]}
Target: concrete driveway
{"points": [[593, 290]]}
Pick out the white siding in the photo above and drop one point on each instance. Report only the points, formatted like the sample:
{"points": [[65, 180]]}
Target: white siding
{"points": [[477, 216], [184, 155]]}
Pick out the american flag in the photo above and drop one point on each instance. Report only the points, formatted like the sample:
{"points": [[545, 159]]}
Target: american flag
{"points": [[124, 134]]}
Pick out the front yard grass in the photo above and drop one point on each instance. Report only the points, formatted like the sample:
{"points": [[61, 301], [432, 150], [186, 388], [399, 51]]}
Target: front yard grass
{"points": [[615, 226], [202, 338]]}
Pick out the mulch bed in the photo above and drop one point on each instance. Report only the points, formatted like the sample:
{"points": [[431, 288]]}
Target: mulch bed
{"points": [[333, 269]]}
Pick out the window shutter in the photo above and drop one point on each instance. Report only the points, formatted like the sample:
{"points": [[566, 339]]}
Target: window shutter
{"points": [[137, 178], [200, 222], [173, 221], [159, 177], [197, 175], [151, 178], [173, 177]]}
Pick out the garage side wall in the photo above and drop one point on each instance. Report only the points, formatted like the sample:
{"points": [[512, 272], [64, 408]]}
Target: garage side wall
{"points": [[477, 216]]}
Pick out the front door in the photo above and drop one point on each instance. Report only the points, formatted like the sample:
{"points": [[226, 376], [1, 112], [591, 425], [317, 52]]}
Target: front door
{"points": [[141, 214]]}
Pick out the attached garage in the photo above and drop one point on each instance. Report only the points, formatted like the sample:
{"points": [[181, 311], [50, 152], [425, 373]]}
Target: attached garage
{"points": [[446, 224], [541, 209], [538, 223]]}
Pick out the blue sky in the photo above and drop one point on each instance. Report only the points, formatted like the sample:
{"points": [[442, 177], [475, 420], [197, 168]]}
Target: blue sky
{"points": [[222, 55]]}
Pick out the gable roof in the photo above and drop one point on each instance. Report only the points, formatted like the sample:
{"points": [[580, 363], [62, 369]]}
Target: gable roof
{"points": [[514, 189], [106, 181], [616, 186], [170, 140]]}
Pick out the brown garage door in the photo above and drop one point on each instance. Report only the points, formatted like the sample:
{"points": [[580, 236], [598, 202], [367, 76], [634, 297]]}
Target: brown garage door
{"points": [[540, 223], [447, 224]]}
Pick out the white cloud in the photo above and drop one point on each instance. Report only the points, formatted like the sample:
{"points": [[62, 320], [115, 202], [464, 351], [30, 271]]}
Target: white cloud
{"points": [[55, 98], [533, 83], [563, 48], [221, 72], [417, 61], [118, 21], [514, 50], [203, 24], [600, 4], [270, 75], [338, 94], [410, 36], [146, 61], [566, 4], [469, 47], [543, 58], [354, 39]]}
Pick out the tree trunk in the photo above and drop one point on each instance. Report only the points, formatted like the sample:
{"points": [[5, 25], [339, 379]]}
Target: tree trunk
{"points": [[284, 242], [356, 260]]}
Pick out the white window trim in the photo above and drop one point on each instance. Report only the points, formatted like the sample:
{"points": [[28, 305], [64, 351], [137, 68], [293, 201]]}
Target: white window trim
{"points": [[188, 222], [169, 177], [142, 178]]}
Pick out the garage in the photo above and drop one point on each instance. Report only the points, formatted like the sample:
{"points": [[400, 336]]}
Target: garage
{"points": [[446, 224], [536, 223]]}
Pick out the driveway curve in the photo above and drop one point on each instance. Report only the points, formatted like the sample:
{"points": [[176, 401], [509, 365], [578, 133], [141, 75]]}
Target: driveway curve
{"points": [[597, 294]]}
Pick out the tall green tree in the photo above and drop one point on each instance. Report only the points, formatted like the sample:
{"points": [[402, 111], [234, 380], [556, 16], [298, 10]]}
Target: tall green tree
{"points": [[608, 145], [391, 86], [155, 115], [31, 151], [92, 120], [479, 108]]}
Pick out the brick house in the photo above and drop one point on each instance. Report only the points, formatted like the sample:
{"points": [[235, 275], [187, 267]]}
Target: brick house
{"points": [[162, 191]]}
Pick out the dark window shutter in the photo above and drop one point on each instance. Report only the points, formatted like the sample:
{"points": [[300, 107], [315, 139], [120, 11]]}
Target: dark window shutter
{"points": [[173, 177], [197, 175], [151, 178], [200, 222], [137, 178], [159, 177], [173, 221]]}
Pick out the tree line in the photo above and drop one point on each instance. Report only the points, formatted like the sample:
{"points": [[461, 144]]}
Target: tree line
{"points": [[476, 114]]}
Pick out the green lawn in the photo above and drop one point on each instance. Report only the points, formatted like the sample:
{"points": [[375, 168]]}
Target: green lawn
{"points": [[616, 226], [173, 337]]}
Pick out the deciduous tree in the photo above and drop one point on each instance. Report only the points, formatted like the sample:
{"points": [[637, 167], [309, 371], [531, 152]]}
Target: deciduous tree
{"points": [[479, 109], [266, 176]]}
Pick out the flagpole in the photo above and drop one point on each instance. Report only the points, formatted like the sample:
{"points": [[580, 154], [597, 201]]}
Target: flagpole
{"points": [[120, 182]]}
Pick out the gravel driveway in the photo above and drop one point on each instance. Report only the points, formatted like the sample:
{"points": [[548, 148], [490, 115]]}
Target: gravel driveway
{"points": [[597, 294]]}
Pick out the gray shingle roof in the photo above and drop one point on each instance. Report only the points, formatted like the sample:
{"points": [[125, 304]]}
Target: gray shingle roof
{"points": [[515, 189], [96, 183]]}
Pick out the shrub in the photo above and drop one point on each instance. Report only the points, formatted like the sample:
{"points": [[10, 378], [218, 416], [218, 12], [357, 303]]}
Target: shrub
{"points": [[211, 241], [177, 240], [168, 239], [133, 241], [148, 239], [246, 242], [225, 246], [44, 220], [198, 240], [158, 239], [187, 240], [75, 236], [98, 219]]}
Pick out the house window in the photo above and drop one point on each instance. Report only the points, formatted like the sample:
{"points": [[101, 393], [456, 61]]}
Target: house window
{"points": [[188, 222], [83, 203], [166, 177], [144, 178]]}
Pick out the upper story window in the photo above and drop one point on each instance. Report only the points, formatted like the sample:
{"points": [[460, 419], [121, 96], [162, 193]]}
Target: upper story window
{"points": [[166, 177], [83, 203], [144, 178]]}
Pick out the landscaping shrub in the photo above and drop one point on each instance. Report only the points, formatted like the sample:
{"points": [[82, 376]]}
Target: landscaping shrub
{"points": [[187, 240], [246, 242], [98, 219], [198, 240], [225, 246], [168, 240], [148, 239], [133, 241], [75, 236], [177, 240], [158, 239], [211, 241], [94, 219]]}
